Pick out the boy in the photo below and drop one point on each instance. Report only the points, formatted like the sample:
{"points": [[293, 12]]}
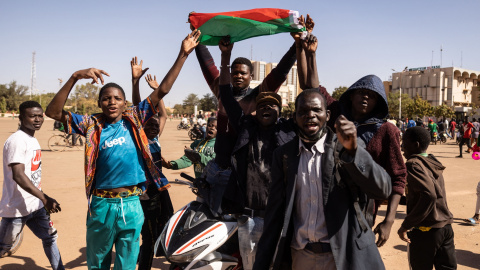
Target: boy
{"points": [[203, 147], [23, 201], [428, 221]]}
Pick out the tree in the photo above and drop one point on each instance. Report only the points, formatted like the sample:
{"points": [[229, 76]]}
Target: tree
{"points": [[3, 105], [473, 111], [84, 99], [14, 94], [443, 111], [419, 107], [209, 103], [337, 93], [394, 102], [178, 108]]}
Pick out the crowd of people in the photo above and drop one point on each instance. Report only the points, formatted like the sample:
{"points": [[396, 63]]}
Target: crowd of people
{"points": [[305, 191]]}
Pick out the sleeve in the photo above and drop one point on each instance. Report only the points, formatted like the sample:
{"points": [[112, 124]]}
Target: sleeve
{"points": [[207, 65], [145, 109], [277, 76], [368, 175], [394, 164], [274, 215], [181, 163], [232, 107], [204, 159], [77, 123], [15, 151], [424, 190]]}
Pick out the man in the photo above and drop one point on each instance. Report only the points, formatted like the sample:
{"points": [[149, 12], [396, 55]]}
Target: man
{"points": [[452, 125], [23, 201], [432, 127], [475, 131], [318, 191], [241, 72], [467, 132]]}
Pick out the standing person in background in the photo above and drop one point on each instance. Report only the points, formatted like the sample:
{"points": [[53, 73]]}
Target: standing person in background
{"points": [[411, 123], [475, 220], [23, 201], [466, 128], [156, 205], [475, 131], [452, 126]]}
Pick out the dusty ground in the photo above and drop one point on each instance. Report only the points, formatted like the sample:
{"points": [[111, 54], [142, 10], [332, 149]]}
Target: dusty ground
{"points": [[63, 180]]}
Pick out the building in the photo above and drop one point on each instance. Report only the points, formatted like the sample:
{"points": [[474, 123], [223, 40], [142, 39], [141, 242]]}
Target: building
{"points": [[289, 89], [453, 86]]}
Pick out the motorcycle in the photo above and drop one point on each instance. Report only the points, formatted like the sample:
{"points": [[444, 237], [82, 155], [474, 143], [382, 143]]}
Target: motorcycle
{"points": [[443, 137], [183, 126], [195, 133], [194, 238], [434, 137]]}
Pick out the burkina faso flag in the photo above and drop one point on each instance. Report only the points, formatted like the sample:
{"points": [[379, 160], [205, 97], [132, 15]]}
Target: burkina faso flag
{"points": [[240, 25]]}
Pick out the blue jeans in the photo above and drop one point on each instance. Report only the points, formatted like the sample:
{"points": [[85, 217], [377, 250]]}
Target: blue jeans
{"points": [[217, 178], [249, 232], [39, 224]]}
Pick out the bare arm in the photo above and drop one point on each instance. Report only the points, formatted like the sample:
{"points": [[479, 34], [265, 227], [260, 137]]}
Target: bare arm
{"points": [[137, 73], [55, 108], [162, 112], [301, 60], [19, 176], [188, 44], [310, 47], [226, 48]]}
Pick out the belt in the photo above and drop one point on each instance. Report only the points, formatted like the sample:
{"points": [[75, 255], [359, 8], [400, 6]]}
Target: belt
{"points": [[318, 247], [423, 229], [254, 213], [135, 191]]}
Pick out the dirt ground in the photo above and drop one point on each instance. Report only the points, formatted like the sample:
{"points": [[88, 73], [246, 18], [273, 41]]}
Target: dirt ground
{"points": [[63, 179]]}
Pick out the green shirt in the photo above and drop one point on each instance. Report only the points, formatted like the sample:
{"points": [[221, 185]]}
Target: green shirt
{"points": [[206, 150]]}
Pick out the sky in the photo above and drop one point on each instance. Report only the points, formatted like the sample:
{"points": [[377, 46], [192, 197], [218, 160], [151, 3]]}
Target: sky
{"points": [[356, 38]]}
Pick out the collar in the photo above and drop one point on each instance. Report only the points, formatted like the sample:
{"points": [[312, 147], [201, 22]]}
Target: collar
{"points": [[319, 146]]}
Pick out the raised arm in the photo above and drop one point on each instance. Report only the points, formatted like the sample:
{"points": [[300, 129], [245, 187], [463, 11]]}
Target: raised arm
{"points": [[162, 112], [137, 73], [188, 44], [277, 76], [55, 108]]}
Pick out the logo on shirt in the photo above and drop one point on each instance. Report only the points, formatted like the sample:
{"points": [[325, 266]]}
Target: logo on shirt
{"points": [[113, 142], [36, 160], [36, 168]]}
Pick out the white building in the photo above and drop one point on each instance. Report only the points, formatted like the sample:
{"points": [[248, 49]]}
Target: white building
{"points": [[289, 89], [453, 86]]}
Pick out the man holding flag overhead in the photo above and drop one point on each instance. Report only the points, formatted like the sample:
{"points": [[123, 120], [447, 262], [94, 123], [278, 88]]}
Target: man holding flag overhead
{"points": [[241, 72]]}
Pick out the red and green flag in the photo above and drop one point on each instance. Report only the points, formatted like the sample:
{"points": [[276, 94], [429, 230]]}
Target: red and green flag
{"points": [[240, 25]]}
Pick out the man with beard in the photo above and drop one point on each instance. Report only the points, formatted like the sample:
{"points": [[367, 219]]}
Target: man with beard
{"points": [[319, 189]]}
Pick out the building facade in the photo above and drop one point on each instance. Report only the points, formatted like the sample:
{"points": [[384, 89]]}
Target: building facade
{"points": [[453, 86], [289, 89]]}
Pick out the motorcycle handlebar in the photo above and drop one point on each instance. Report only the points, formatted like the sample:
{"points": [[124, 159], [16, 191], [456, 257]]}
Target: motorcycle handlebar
{"points": [[188, 177]]}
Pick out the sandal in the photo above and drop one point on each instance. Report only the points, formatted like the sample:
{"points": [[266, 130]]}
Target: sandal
{"points": [[471, 221]]}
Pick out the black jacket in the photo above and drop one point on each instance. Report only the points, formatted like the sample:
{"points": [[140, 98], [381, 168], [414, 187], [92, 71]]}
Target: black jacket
{"points": [[352, 246]]}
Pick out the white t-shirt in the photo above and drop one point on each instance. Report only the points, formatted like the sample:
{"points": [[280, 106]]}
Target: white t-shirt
{"points": [[20, 148]]}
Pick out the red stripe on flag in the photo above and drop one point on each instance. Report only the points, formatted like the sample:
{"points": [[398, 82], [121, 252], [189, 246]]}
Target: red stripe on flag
{"points": [[258, 14]]}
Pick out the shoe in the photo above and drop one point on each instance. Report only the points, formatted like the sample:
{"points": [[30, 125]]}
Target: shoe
{"points": [[459, 156], [467, 151], [471, 221]]}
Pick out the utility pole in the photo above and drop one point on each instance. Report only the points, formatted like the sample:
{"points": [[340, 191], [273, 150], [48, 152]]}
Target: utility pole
{"points": [[33, 76]]}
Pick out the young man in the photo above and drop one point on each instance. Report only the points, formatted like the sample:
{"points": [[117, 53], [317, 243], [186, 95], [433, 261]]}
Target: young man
{"points": [[318, 193], [475, 131], [452, 125], [241, 72], [467, 132], [118, 162], [427, 227], [23, 201], [432, 127], [156, 205], [205, 148]]}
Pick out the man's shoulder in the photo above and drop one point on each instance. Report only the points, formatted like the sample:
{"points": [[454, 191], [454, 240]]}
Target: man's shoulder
{"points": [[18, 137]]}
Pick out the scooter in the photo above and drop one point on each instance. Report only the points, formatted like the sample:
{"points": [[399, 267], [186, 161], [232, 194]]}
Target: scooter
{"points": [[443, 137], [194, 238], [195, 133]]}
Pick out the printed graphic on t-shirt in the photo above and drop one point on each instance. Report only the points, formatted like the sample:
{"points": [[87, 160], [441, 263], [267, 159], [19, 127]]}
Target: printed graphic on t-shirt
{"points": [[113, 142], [36, 168]]}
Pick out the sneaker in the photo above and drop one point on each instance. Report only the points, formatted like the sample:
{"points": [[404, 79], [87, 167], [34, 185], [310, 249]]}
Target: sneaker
{"points": [[459, 156]]}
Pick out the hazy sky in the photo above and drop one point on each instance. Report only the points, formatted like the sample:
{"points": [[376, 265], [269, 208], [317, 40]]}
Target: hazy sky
{"points": [[356, 38]]}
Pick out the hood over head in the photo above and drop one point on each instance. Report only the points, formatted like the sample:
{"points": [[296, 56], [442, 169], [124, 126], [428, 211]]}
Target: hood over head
{"points": [[370, 82]]}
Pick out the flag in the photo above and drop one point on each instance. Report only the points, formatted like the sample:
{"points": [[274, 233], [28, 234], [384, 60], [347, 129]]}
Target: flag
{"points": [[240, 25]]}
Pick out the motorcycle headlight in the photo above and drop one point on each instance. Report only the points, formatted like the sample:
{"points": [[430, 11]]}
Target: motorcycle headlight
{"points": [[187, 256]]}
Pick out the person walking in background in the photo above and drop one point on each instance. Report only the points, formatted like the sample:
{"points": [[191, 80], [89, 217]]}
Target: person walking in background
{"points": [[475, 220], [475, 131], [427, 227], [23, 200], [452, 127], [466, 129]]}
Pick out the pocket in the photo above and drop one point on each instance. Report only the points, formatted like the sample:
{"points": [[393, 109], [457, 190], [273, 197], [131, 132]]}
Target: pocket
{"points": [[366, 239]]}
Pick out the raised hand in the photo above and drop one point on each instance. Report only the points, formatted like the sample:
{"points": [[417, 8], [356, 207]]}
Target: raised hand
{"points": [[137, 71], [310, 43], [296, 35], [225, 45], [309, 24], [90, 73], [152, 82], [190, 42], [346, 134]]}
